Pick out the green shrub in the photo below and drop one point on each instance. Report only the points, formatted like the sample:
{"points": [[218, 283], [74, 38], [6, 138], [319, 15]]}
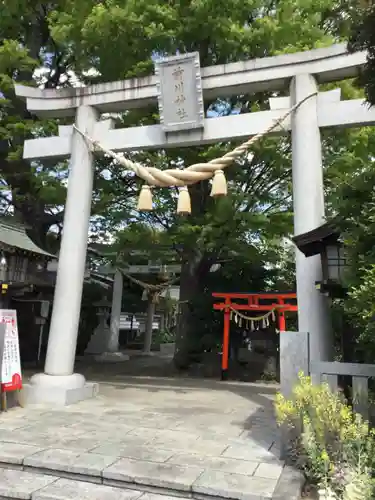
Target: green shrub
{"points": [[164, 337], [331, 443]]}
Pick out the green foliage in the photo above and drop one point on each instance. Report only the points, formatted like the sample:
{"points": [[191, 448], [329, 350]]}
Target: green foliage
{"points": [[164, 337], [222, 31], [359, 487], [361, 307], [333, 445], [363, 38], [14, 57], [354, 200]]}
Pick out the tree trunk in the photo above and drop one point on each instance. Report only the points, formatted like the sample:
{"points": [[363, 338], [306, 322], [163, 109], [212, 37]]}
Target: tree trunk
{"points": [[193, 276], [195, 267], [189, 288]]}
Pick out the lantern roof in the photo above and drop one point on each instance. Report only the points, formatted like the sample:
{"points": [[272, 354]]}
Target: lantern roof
{"points": [[313, 242], [13, 234]]}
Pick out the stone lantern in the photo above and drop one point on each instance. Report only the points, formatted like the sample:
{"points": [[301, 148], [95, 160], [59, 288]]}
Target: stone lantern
{"points": [[325, 241]]}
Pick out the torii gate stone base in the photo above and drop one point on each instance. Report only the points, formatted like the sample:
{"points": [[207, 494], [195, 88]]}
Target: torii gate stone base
{"points": [[186, 126]]}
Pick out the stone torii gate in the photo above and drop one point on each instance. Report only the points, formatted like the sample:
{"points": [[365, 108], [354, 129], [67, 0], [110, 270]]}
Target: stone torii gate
{"points": [[301, 72]]}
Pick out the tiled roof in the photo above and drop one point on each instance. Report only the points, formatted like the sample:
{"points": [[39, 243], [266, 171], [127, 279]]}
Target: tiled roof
{"points": [[13, 234]]}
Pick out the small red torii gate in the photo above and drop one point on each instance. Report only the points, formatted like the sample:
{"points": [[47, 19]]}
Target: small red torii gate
{"points": [[280, 303]]}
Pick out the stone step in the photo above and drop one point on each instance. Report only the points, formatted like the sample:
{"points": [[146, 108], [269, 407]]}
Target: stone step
{"points": [[211, 477], [135, 475], [22, 482], [23, 485], [220, 477], [18, 484]]}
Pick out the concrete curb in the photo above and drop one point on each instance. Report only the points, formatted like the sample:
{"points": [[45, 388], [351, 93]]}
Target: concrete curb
{"points": [[289, 485]]}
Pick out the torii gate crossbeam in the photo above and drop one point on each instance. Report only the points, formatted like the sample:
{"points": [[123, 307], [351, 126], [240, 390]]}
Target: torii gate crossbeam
{"points": [[301, 72]]}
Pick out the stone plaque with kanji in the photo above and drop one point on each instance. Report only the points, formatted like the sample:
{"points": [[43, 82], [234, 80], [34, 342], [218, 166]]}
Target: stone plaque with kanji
{"points": [[180, 94]]}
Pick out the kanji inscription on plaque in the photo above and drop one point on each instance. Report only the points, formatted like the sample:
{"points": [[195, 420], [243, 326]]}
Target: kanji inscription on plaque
{"points": [[180, 94]]}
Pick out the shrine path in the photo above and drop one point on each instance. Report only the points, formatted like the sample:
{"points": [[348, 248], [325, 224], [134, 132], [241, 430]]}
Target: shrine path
{"points": [[185, 436]]}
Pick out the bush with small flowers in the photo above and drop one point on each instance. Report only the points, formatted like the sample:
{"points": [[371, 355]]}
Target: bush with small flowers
{"points": [[332, 444]]}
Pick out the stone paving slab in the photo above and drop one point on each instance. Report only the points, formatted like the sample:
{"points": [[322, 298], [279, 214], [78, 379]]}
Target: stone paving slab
{"points": [[11, 425], [172, 436], [21, 485], [15, 453], [66, 489], [98, 429], [226, 485], [208, 447], [102, 438], [289, 485], [153, 474], [215, 463], [214, 429], [89, 464], [63, 430], [81, 443], [133, 451], [250, 451], [268, 471]]}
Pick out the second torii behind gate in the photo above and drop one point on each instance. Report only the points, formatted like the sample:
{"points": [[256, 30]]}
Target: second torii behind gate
{"points": [[279, 303]]}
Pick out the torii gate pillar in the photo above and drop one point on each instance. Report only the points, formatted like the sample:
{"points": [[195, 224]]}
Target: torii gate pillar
{"points": [[59, 384], [308, 205]]}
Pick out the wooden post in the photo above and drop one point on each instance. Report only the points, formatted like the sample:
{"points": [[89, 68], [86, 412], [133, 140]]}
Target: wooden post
{"points": [[282, 322], [225, 354]]}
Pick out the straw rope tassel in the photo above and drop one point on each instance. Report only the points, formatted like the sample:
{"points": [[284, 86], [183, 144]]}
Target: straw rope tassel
{"points": [[219, 184], [145, 199], [184, 202]]}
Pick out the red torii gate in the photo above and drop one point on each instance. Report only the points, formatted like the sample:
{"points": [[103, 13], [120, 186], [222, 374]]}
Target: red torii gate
{"points": [[280, 303]]}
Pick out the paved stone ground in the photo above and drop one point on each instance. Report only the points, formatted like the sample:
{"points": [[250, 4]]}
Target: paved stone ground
{"points": [[194, 436]]}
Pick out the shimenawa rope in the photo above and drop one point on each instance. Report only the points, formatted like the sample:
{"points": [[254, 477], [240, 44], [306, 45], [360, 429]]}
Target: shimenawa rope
{"points": [[252, 322], [149, 289], [190, 175]]}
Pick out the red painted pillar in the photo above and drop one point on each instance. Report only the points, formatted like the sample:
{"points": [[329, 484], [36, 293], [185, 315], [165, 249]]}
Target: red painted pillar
{"points": [[282, 322], [225, 353]]}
